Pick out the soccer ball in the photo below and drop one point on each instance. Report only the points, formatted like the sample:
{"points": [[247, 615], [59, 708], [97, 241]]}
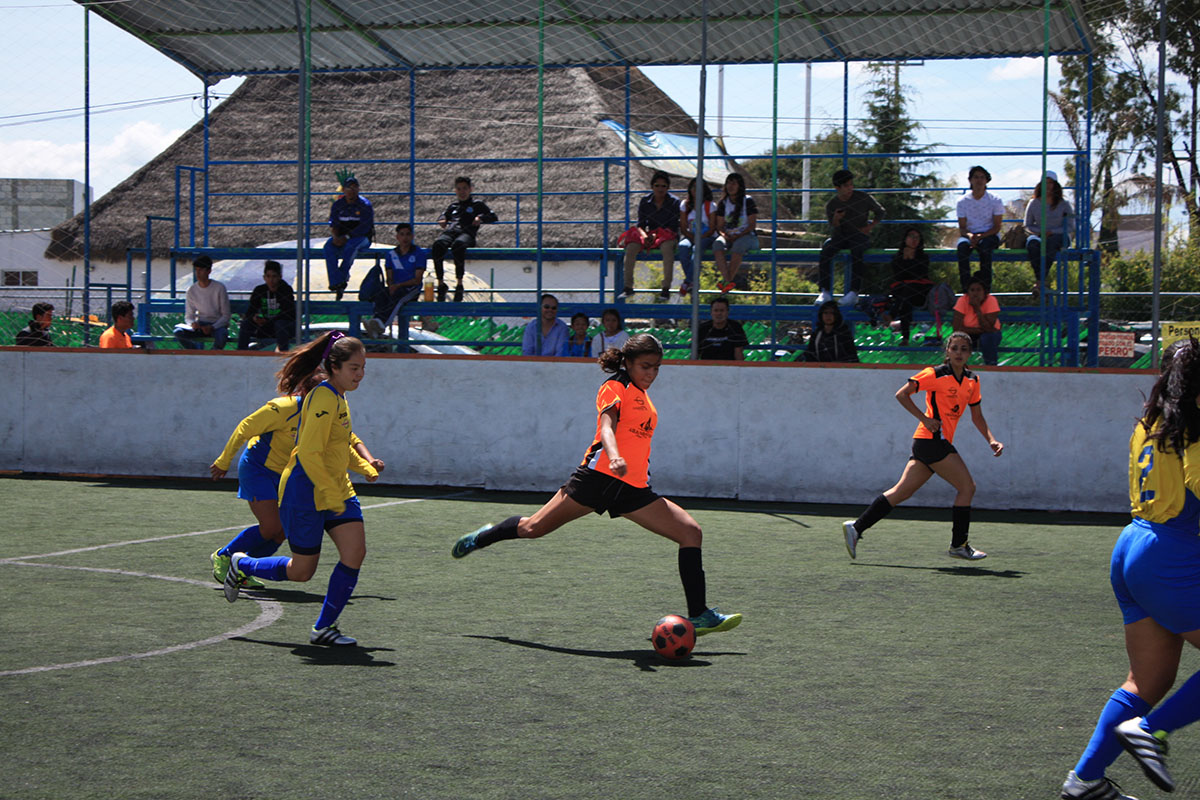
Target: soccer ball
{"points": [[673, 637]]}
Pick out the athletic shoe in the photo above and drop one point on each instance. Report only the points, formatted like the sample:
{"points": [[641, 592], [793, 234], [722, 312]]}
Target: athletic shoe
{"points": [[458, 293], [442, 289], [966, 552], [1148, 750], [466, 543], [1100, 789], [331, 637], [824, 297], [848, 299], [664, 296], [712, 621], [852, 537], [235, 579], [627, 293], [338, 290], [220, 566], [374, 327], [685, 288]]}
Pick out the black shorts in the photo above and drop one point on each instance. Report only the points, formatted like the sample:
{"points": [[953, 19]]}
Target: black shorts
{"points": [[601, 493], [931, 451]]}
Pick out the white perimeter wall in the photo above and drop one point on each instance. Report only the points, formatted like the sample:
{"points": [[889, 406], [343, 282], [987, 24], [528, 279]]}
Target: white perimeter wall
{"points": [[803, 433]]}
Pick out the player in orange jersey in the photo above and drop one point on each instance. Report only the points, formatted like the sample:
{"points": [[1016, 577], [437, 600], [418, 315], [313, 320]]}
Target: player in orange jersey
{"points": [[950, 389], [614, 477]]}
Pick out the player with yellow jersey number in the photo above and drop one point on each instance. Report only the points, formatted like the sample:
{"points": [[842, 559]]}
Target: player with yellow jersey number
{"points": [[615, 477], [1155, 575], [950, 389], [269, 434], [315, 493]]}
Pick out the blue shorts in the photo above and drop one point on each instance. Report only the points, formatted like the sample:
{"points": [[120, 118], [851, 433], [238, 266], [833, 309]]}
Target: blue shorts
{"points": [[256, 482], [1155, 573], [305, 528]]}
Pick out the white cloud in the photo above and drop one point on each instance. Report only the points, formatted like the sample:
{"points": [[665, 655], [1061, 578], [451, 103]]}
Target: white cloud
{"points": [[112, 160], [1021, 69]]}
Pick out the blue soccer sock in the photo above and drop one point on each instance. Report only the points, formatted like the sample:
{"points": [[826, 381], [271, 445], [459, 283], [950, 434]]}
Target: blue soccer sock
{"points": [[1104, 748], [1178, 710], [244, 542], [341, 586], [273, 568], [266, 548]]}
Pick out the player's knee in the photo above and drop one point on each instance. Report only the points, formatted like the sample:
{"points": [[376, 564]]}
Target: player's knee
{"points": [[691, 535], [528, 528], [301, 573]]}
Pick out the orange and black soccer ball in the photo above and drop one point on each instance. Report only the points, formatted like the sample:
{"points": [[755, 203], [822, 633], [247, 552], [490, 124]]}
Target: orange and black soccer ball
{"points": [[673, 637]]}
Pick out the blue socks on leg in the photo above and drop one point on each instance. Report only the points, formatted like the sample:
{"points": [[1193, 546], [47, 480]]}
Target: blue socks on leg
{"points": [[272, 568], [341, 586], [1104, 748], [244, 542], [1178, 710]]}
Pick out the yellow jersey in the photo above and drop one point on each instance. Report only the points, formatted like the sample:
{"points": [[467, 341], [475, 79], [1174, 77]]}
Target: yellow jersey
{"points": [[1164, 485]]}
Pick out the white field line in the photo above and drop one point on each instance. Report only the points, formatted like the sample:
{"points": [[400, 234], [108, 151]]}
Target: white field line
{"points": [[18, 559], [269, 612]]}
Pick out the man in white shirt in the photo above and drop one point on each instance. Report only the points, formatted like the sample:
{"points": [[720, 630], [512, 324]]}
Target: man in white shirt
{"points": [[206, 311], [979, 216]]}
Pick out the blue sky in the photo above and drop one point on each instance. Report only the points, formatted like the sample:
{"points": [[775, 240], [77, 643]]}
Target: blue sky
{"points": [[142, 101]]}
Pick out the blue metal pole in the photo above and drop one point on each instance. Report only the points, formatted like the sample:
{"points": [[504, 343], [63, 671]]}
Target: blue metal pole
{"points": [[87, 179]]}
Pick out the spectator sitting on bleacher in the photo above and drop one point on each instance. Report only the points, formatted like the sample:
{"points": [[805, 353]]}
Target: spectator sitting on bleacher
{"points": [[612, 333], [404, 271], [460, 226], [116, 336], [1057, 231], [721, 338], [554, 333], [206, 311], [578, 344], [977, 314], [737, 215], [351, 225], [697, 231], [980, 214], [271, 312], [657, 228], [832, 338], [910, 280], [37, 332], [847, 212]]}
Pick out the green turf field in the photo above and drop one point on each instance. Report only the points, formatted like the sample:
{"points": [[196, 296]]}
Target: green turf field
{"points": [[524, 671]]}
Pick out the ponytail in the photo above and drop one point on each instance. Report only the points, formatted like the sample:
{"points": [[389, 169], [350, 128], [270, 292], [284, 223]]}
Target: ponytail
{"points": [[313, 362], [613, 360]]}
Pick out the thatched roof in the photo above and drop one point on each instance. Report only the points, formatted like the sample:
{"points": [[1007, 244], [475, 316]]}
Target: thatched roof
{"points": [[459, 114]]}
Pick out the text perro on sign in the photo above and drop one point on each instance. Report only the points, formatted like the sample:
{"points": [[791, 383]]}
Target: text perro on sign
{"points": [[1116, 344]]}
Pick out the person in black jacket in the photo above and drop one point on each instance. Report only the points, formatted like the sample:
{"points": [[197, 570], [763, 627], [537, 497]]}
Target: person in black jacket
{"points": [[37, 332], [271, 313], [460, 225], [832, 337]]}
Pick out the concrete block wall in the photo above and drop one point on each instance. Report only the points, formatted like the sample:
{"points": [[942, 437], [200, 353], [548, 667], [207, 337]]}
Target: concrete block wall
{"points": [[802, 433]]}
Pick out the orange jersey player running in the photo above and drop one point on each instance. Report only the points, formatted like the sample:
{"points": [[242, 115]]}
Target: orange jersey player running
{"points": [[614, 477], [950, 389]]}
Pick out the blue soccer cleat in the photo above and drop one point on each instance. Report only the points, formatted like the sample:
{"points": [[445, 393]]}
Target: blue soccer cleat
{"points": [[713, 621], [467, 543]]}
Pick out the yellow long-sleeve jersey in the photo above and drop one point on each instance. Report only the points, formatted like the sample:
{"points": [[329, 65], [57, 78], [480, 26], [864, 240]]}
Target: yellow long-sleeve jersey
{"points": [[315, 476]]}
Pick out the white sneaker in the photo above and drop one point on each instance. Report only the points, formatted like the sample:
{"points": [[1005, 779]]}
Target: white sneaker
{"points": [[852, 537], [848, 299], [374, 327], [1100, 789], [331, 637], [966, 552], [823, 297]]}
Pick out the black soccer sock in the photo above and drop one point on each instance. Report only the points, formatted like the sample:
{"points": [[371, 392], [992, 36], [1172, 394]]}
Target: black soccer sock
{"points": [[879, 508], [960, 524], [498, 533], [691, 573]]}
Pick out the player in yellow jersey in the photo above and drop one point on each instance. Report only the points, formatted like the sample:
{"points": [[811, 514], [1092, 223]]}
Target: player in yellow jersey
{"points": [[315, 493], [614, 477], [269, 435], [1155, 574], [950, 389]]}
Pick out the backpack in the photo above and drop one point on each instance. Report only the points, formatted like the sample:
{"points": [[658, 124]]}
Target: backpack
{"points": [[371, 285], [940, 300]]}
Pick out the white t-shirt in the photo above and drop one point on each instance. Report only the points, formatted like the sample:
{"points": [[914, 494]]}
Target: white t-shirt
{"points": [[979, 213], [600, 342], [691, 218]]}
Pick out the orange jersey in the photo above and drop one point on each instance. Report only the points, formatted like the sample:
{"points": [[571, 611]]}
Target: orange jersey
{"points": [[113, 339], [946, 398], [636, 420]]}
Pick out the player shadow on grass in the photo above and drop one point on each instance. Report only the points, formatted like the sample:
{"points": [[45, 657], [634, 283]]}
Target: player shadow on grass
{"points": [[329, 656], [983, 572], [300, 596], [646, 660]]}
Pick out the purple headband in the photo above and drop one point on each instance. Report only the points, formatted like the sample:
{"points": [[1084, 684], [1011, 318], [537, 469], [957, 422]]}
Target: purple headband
{"points": [[333, 337]]}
